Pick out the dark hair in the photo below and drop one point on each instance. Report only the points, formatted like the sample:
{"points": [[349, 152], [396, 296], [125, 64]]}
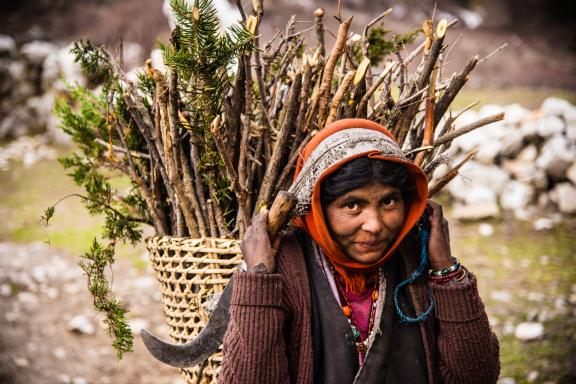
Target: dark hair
{"points": [[361, 172]]}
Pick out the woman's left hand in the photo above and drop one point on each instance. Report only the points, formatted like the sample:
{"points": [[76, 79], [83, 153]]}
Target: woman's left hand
{"points": [[439, 252]]}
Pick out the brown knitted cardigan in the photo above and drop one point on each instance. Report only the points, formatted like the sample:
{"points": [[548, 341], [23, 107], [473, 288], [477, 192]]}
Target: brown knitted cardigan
{"points": [[269, 337]]}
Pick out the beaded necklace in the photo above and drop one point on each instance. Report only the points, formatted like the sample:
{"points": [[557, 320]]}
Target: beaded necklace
{"points": [[361, 343]]}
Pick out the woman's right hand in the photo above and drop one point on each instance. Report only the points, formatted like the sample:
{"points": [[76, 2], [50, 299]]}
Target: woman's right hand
{"points": [[258, 253]]}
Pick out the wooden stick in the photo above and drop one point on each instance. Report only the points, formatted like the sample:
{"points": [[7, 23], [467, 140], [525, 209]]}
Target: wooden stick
{"points": [[428, 119], [364, 101], [325, 86], [319, 25], [444, 180], [467, 128], [335, 105]]}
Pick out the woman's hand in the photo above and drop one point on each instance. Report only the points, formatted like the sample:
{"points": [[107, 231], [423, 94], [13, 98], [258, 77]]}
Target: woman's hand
{"points": [[258, 253], [439, 252]]}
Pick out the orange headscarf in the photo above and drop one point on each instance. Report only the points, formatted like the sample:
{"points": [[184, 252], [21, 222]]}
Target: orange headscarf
{"points": [[354, 272]]}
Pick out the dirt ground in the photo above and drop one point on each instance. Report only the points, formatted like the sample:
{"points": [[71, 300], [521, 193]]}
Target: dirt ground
{"points": [[42, 289]]}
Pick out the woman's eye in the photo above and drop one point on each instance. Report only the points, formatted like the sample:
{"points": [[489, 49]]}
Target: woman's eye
{"points": [[352, 205], [389, 201]]}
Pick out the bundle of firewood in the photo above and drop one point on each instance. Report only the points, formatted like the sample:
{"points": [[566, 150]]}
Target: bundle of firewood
{"points": [[211, 140]]}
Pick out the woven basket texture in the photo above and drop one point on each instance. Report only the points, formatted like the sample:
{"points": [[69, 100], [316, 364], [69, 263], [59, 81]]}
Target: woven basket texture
{"points": [[192, 273]]}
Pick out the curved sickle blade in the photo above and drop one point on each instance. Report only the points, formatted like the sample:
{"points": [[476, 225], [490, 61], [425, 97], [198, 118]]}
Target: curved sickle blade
{"points": [[202, 346]]}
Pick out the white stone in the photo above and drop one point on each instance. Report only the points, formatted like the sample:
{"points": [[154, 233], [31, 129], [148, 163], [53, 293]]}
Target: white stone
{"points": [[550, 125], [64, 379], [543, 224], [512, 143], [475, 174], [132, 54], [526, 172], [528, 331], [535, 296], [532, 376], [28, 299], [571, 173], [475, 211], [529, 128], [556, 156], [506, 380], [516, 114], [516, 195], [79, 380], [5, 290], [565, 197], [488, 151], [529, 153], [37, 51], [555, 106], [21, 362], [60, 353], [7, 45], [157, 57], [60, 69], [485, 230], [501, 296], [137, 324], [81, 324]]}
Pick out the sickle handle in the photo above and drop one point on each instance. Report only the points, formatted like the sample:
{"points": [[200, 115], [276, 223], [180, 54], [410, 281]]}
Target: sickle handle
{"points": [[280, 213]]}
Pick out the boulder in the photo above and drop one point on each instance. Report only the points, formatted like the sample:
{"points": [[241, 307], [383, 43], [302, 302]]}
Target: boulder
{"points": [[516, 114], [516, 195], [512, 143], [550, 125], [474, 212], [564, 195], [526, 172], [473, 175], [60, 69], [488, 151], [7, 46], [81, 324], [37, 51], [556, 156], [571, 173], [528, 331], [555, 106], [529, 153]]}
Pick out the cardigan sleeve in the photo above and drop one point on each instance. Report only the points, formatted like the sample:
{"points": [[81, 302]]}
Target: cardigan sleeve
{"points": [[254, 346], [469, 350]]}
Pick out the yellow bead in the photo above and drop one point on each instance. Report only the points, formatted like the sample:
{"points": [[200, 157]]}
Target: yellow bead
{"points": [[374, 295]]}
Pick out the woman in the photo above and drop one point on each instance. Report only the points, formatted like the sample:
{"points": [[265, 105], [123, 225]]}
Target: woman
{"points": [[347, 296]]}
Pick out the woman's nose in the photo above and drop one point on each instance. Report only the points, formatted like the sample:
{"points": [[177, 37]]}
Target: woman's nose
{"points": [[372, 222]]}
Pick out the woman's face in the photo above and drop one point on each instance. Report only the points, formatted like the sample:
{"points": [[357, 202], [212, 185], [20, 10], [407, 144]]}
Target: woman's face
{"points": [[366, 220]]}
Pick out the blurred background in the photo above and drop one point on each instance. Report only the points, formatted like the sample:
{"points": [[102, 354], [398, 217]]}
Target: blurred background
{"points": [[512, 212]]}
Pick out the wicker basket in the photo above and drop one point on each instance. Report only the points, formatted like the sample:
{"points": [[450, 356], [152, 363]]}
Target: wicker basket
{"points": [[192, 272]]}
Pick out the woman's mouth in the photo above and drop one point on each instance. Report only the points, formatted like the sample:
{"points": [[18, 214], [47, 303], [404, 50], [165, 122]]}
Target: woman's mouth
{"points": [[370, 245]]}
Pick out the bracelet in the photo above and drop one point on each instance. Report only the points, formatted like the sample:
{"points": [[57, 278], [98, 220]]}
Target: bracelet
{"points": [[446, 271], [458, 275]]}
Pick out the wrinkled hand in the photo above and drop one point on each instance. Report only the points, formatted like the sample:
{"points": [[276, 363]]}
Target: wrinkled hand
{"points": [[439, 252], [257, 251]]}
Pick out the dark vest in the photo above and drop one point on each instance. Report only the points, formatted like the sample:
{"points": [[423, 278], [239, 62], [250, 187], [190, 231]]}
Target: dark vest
{"points": [[397, 353]]}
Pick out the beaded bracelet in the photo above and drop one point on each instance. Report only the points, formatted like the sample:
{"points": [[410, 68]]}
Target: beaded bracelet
{"points": [[456, 275], [446, 271]]}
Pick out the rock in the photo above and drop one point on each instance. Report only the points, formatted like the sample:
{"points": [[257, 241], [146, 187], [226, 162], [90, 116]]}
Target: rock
{"points": [[488, 151], [516, 195], [535, 296], [479, 211], [528, 331], [64, 379], [81, 324], [556, 156], [564, 195], [550, 125], [21, 362], [12, 317], [529, 153], [60, 353], [7, 46], [485, 230], [29, 300], [554, 106], [475, 175], [137, 324], [516, 114], [132, 54], [59, 69], [543, 224], [157, 58], [501, 296], [532, 376], [571, 173], [526, 172], [512, 143], [79, 380], [37, 51], [506, 380], [5, 290]]}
